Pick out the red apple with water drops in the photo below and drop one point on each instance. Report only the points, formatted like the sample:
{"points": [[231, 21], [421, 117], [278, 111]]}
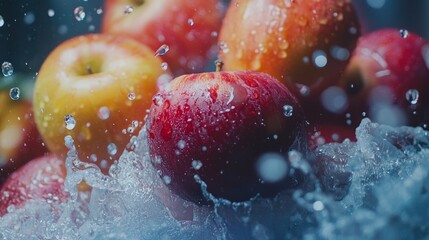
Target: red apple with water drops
{"points": [[187, 30], [41, 179], [304, 44], [388, 78], [226, 129]]}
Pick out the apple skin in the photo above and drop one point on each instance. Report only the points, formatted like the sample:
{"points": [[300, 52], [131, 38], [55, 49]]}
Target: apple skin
{"points": [[119, 66], [40, 179], [189, 28], [384, 66], [217, 125], [19, 139], [277, 37]]}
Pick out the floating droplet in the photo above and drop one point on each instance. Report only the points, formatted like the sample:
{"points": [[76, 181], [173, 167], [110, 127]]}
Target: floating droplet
{"points": [[1, 21], [14, 93], [162, 50], [320, 59], [288, 110], [272, 167], [79, 13], [191, 22], [99, 11], [404, 33], [69, 121], [223, 46], [104, 113], [29, 18], [131, 96], [197, 165], [318, 206], [412, 96], [7, 69], [164, 66], [128, 9], [166, 179], [51, 13], [112, 149]]}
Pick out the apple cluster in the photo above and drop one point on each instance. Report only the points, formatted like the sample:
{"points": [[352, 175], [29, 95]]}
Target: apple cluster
{"points": [[291, 75]]}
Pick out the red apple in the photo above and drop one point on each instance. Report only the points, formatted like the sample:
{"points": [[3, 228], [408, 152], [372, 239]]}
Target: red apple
{"points": [[388, 78], [188, 28], [19, 139], [40, 179], [328, 133], [304, 44], [227, 128], [97, 89]]}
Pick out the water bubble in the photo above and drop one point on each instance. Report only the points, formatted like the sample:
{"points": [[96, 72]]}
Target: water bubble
{"points": [[112, 149], [404, 33], [162, 50], [320, 59], [131, 96], [272, 167], [104, 113], [340, 53], [197, 165], [69, 121], [412, 96], [164, 66], [99, 11], [29, 18], [14, 93], [7, 69], [304, 90], [318, 206], [191, 22], [157, 99], [288, 110], [79, 13], [128, 9], [1, 21], [334, 99], [51, 13]]}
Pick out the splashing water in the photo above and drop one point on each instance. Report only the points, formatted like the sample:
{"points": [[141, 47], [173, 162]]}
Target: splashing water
{"points": [[352, 197]]}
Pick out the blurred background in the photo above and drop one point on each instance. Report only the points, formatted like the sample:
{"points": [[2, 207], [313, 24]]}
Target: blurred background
{"points": [[29, 30]]}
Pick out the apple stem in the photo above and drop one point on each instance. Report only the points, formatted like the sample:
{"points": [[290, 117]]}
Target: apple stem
{"points": [[219, 65]]}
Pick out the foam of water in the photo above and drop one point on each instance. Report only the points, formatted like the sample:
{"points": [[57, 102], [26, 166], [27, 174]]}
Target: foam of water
{"points": [[376, 188]]}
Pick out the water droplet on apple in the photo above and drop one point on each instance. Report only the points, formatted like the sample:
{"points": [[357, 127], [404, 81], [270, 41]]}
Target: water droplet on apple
{"points": [[112, 149], [412, 96], [14, 93], [197, 165], [162, 50], [157, 99], [1, 21], [131, 96], [288, 110], [69, 121], [164, 66], [404, 33], [191, 22], [104, 113], [166, 179], [128, 9], [181, 144], [7, 69], [51, 13], [79, 13]]}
